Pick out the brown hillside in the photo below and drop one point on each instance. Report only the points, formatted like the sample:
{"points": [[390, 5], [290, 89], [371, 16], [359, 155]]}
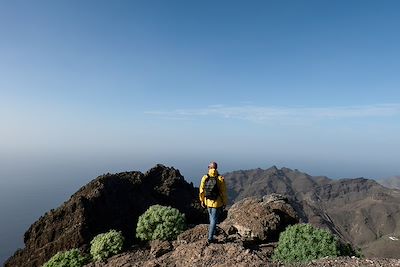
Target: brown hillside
{"points": [[360, 211], [392, 182]]}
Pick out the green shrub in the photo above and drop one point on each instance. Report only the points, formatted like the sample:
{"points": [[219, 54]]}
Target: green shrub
{"points": [[303, 242], [70, 258], [106, 245], [160, 222]]}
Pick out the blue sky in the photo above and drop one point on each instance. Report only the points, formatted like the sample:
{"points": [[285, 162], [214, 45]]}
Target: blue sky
{"points": [[99, 86], [88, 87]]}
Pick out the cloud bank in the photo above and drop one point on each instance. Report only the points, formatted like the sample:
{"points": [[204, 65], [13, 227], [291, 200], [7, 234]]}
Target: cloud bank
{"points": [[265, 114]]}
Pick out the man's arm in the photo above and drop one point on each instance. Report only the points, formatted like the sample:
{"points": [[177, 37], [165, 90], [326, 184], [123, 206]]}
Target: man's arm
{"points": [[224, 195]]}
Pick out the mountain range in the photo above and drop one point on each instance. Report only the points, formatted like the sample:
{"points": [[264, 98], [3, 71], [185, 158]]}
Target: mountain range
{"points": [[360, 211], [391, 182]]}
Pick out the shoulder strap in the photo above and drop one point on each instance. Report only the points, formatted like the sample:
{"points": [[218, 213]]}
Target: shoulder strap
{"points": [[208, 177]]}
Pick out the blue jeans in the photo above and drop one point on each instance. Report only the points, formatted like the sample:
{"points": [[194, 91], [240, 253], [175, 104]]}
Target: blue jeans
{"points": [[213, 214]]}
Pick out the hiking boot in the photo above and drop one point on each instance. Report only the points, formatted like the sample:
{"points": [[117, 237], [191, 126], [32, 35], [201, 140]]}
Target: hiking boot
{"points": [[210, 241]]}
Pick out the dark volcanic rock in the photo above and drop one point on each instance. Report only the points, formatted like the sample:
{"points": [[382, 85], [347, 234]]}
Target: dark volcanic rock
{"points": [[111, 201]]}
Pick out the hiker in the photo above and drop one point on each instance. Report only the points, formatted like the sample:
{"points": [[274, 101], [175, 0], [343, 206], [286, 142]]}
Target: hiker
{"points": [[213, 196]]}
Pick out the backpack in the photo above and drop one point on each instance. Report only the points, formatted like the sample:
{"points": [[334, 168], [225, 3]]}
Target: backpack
{"points": [[211, 190]]}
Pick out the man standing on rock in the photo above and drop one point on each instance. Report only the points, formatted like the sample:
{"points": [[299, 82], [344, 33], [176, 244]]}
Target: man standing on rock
{"points": [[213, 196]]}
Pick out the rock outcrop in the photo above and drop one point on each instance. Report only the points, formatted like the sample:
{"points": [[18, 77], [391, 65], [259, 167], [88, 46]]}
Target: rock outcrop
{"points": [[111, 201], [260, 219]]}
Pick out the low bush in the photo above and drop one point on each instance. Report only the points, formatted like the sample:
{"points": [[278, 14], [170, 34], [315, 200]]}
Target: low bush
{"points": [[160, 222], [70, 258], [106, 245], [304, 242]]}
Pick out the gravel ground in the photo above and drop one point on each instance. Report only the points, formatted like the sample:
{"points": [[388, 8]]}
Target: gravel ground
{"points": [[350, 262]]}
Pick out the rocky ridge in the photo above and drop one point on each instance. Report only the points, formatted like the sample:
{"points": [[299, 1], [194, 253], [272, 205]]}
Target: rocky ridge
{"points": [[111, 201], [246, 238], [360, 211], [391, 182], [238, 242]]}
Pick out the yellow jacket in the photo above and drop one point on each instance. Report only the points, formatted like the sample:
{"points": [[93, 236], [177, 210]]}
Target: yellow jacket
{"points": [[222, 198]]}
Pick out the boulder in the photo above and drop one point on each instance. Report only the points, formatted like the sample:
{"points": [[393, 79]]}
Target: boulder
{"points": [[259, 220]]}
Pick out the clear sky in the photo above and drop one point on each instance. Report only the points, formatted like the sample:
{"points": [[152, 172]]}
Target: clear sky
{"points": [[88, 87], [119, 85]]}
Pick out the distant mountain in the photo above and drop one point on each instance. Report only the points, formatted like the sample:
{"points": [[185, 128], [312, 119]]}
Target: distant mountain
{"points": [[392, 182], [360, 211]]}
